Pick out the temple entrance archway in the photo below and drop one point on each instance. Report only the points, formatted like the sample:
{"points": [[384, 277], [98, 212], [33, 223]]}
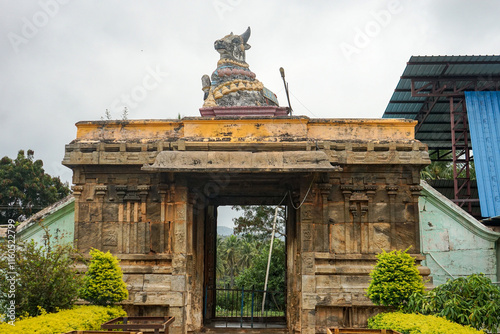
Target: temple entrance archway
{"points": [[214, 191], [147, 191], [231, 305]]}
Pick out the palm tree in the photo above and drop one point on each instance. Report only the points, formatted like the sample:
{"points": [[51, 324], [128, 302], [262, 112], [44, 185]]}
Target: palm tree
{"points": [[443, 169], [229, 254], [219, 263], [247, 251]]}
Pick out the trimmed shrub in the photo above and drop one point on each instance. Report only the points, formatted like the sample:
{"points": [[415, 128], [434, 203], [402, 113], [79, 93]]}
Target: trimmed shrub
{"points": [[79, 318], [103, 283], [471, 300], [44, 277], [418, 323], [394, 279]]}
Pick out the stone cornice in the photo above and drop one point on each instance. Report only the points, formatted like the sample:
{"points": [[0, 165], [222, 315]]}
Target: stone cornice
{"points": [[337, 152]]}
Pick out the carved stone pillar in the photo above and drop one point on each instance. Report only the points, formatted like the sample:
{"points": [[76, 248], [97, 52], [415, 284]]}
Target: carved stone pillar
{"points": [[323, 228], [143, 194], [120, 193], [348, 229], [392, 191], [163, 191], [77, 193], [358, 205], [179, 195], [100, 191], [371, 189]]}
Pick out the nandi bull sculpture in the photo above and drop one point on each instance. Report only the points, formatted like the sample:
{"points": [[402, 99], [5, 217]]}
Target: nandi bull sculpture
{"points": [[232, 83]]}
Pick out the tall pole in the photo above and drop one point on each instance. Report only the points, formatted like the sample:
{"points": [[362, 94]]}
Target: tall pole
{"points": [[282, 71], [269, 259]]}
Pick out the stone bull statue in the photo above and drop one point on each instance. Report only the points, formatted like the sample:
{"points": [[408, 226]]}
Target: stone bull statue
{"points": [[232, 83]]}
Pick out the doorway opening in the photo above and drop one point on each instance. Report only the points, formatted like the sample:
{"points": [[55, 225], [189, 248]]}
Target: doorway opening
{"points": [[249, 287]]}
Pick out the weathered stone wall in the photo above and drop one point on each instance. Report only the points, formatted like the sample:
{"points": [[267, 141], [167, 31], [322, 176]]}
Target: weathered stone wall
{"points": [[144, 222], [348, 218], [153, 215]]}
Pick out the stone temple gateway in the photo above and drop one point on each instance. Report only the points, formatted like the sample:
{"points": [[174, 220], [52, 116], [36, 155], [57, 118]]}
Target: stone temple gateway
{"points": [[147, 190]]}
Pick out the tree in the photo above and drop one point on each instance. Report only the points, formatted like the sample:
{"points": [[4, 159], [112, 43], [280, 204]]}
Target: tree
{"points": [[437, 170], [229, 253], [254, 276], [441, 169], [220, 271], [247, 250], [25, 188], [103, 283], [36, 276], [473, 300], [242, 258], [394, 279], [258, 221]]}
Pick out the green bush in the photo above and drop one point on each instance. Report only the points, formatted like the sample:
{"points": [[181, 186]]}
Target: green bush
{"points": [[78, 318], [394, 279], [471, 300], [418, 323], [103, 283], [33, 276]]}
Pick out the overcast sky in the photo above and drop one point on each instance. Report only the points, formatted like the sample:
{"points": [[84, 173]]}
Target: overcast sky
{"points": [[66, 61]]}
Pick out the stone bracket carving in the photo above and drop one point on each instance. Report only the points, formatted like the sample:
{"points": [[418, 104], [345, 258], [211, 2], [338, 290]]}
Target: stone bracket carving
{"points": [[358, 204]]}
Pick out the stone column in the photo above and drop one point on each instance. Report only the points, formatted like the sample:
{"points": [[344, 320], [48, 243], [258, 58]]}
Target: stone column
{"points": [[392, 191], [307, 224], [100, 191], [178, 301], [322, 238], [143, 194], [349, 226], [121, 190], [194, 277], [371, 189]]}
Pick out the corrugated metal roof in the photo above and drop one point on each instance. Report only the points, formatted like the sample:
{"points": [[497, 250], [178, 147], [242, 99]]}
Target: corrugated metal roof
{"points": [[435, 130], [483, 110]]}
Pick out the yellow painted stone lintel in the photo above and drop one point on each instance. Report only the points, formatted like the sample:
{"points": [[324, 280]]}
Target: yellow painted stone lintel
{"points": [[132, 130], [247, 129]]}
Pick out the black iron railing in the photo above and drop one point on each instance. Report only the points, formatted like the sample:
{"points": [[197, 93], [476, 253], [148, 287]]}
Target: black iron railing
{"points": [[233, 305]]}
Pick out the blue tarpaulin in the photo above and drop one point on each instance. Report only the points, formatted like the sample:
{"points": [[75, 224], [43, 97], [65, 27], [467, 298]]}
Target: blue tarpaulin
{"points": [[483, 110]]}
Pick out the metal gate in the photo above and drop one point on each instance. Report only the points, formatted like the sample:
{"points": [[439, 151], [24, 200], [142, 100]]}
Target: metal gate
{"points": [[243, 308]]}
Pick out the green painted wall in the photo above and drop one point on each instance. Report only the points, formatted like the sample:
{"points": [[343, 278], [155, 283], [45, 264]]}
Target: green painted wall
{"points": [[454, 242], [60, 223]]}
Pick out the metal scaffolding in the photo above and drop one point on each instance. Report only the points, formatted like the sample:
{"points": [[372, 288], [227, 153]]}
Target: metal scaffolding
{"points": [[432, 91]]}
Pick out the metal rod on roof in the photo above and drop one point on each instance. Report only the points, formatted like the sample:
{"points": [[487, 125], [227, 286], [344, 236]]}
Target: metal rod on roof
{"points": [[282, 71]]}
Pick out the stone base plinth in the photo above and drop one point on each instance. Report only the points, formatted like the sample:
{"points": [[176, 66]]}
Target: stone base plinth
{"points": [[244, 111]]}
